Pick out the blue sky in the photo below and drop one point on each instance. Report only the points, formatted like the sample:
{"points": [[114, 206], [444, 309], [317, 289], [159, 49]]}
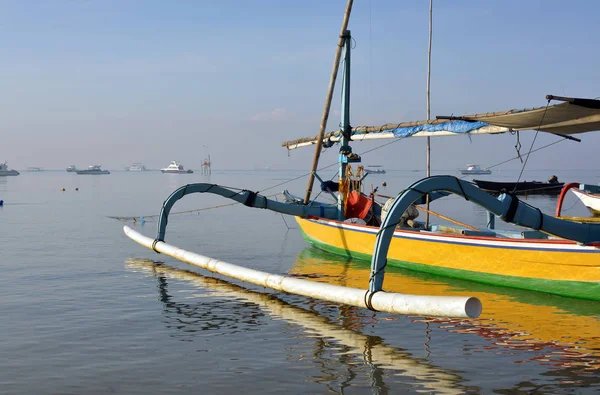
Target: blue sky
{"points": [[116, 82]]}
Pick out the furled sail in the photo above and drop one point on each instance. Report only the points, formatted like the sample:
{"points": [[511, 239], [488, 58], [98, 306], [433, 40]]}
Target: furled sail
{"points": [[571, 117]]}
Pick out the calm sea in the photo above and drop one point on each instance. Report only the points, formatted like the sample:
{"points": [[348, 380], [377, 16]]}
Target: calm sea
{"points": [[86, 310]]}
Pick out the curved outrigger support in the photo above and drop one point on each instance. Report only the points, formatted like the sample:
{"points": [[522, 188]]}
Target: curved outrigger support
{"points": [[508, 207], [247, 198], [395, 303], [449, 306]]}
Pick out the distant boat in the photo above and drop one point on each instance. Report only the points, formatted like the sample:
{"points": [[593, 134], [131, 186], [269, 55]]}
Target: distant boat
{"points": [[589, 199], [551, 187], [374, 169], [71, 169], [176, 168], [4, 171], [93, 169], [475, 169], [35, 168], [136, 167]]}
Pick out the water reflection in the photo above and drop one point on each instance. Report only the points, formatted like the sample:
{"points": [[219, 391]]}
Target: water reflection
{"points": [[3, 184], [561, 334], [215, 316], [231, 307]]}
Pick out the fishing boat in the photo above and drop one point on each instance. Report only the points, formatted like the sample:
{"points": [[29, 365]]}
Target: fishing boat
{"points": [[5, 171], [589, 195], [589, 200], [551, 187], [374, 169], [474, 169], [175, 168], [92, 170], [549, 254], [71, 169]]}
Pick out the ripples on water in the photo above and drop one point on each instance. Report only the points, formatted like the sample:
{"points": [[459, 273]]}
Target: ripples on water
{"points": [[85, 310]]}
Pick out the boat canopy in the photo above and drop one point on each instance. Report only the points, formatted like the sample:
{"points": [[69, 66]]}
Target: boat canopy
{"points": [[571, 117]]}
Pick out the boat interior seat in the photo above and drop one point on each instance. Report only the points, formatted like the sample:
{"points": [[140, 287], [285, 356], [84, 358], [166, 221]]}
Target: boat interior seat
{"points": [[589, 188], [465, 232], [534, 234], [483, 233], [445, 229]]}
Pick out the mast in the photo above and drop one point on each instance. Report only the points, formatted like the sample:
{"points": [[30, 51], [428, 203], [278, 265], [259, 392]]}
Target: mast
{"points": [[345, 124], [325, 116], [429, 104]]}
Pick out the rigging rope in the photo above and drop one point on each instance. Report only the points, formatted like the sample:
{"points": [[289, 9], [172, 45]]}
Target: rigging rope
{"points": [[145, 218], [537, 149], [532, 143]]}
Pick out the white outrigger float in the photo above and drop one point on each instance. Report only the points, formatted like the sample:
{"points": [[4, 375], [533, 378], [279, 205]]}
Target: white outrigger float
{"points": [[521, 260]]}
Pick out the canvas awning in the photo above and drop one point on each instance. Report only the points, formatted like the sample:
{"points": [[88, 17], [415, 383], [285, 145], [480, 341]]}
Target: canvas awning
{"points": [[571, 117], [579, 116]]}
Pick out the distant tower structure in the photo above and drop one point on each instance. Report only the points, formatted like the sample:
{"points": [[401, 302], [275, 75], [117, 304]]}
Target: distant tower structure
{"points": [[206, 166]]}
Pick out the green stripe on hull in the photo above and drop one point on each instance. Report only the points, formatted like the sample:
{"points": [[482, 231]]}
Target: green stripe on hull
{"points": [[573, 289]]}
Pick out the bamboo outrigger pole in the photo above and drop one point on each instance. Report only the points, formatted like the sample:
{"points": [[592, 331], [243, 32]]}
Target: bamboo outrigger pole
{"points": [[429, 105], [334, 71]]}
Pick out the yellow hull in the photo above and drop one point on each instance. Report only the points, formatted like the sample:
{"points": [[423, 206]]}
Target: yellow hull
{"points": [[554, 266], [510, 318]]}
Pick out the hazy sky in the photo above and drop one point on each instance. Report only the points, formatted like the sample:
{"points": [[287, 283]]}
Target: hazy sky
{"points": [[122, 81]]}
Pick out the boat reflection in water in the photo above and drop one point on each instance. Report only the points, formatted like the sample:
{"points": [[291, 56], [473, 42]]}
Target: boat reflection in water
{"points": [[560, 331], [374, 352], [559, 335]]}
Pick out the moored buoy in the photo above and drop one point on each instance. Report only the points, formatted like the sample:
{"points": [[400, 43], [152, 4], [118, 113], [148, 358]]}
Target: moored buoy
{"points": [[384, 183]]}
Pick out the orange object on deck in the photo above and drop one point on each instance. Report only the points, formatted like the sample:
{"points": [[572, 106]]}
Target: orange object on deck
{"points": [[357, 205]]}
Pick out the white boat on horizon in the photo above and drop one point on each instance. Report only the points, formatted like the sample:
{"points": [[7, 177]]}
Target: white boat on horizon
{"points": [[71, 169], [35, 169], [374, 169], [5, 171], [474, 169], [136, 167], [175, 168], [93, 169]]}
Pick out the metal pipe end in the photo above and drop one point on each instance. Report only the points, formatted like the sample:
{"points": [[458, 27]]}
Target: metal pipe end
{"points": [[473, 307]]}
